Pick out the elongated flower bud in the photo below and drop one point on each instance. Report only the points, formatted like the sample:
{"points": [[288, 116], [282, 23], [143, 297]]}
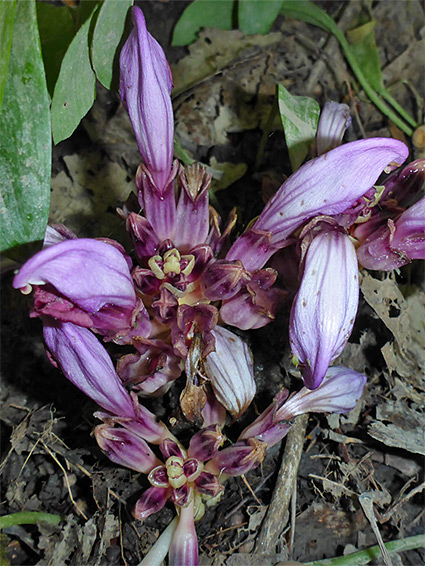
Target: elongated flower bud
{"points": [[126, 448], [334, 120], [238, 459], [325, 306], [230, 371], [192, 215], [86, 363], [145, 86]]}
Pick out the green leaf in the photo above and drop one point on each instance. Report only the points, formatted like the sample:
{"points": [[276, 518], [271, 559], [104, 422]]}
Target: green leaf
{"points": [[25, 138], [75, 88], [306, 11], [300, 116], [7, 15], [107, 38], [201, 14], [56, 29], [257, 16], [364, 49]]}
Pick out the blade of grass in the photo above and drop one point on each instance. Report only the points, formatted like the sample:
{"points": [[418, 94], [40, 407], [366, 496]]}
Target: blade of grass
{"points": [[372, 553], [306, 11], [28, 518]]}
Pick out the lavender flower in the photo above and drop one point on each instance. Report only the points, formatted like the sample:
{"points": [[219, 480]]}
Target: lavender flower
{"points": [[325, 306], [326, 185], [338, 393], [83, 281], [145, 87], [397, 243], [85, 362]]}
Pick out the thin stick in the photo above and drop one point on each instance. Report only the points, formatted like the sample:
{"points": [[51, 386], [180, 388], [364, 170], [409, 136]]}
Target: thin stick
{"points": [[273, 523], [366, 501]]}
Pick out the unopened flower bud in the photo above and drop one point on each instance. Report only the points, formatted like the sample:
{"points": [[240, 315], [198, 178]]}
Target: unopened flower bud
{"points": [[205, 444], [325, 306], [151, 501], [125, 448], [230, 371], [238, 459], [334, 120]]}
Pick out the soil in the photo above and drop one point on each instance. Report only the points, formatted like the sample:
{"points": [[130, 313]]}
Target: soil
{"points": [[225, 89]]}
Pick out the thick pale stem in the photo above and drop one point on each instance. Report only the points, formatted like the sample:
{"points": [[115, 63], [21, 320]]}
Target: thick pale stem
{"points": [[159, 550]]}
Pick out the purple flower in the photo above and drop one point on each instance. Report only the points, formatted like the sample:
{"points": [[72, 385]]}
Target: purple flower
{"points": [[85, 362], [334, 120], [84, 281], [145, 86], [396, 243], [338, 393], [324, 309], [326, 185]]}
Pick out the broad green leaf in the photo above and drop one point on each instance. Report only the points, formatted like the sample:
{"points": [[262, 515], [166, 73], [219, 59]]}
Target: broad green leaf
{"points": [[7, 15], [257, 16], [202, 14], [84, 11], [107, 38], [364, 49], [56, 28], [75, 88], [25, 138], [300, 116]]}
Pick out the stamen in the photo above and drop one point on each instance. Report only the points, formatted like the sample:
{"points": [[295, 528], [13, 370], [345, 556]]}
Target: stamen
{"points": [[189, 267], [172, 262], [176, 292], [26, 290], [156, 270], [176, 477]]}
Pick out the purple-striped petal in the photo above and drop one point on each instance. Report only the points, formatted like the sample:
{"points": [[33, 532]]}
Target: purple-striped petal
{"points": [[152, 501], [86, 363], [145, 86], [326, 185], [325, 306], [90, 273], [338, 393], [230, 371], [126, 448]]}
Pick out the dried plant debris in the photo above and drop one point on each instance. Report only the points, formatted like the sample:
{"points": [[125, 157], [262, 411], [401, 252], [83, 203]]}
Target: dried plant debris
{"points": [[86, 196], [404, 318], [405, 428]]}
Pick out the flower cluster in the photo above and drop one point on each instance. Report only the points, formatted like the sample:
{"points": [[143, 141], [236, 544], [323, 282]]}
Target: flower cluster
{"points": [[171, 303]]}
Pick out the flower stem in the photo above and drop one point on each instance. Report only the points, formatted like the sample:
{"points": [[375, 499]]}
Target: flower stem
{"points": [[159, 550]]}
